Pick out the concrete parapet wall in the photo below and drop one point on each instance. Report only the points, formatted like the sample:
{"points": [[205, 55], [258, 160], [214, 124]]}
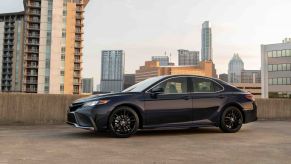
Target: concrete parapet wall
{"points": [[51, 109]]}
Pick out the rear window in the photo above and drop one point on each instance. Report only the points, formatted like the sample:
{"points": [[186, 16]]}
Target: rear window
{"points": [[205, 85]]}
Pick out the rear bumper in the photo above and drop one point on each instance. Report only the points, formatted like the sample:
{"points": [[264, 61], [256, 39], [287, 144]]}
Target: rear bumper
{"points": [[251, 115], [81, 121]]}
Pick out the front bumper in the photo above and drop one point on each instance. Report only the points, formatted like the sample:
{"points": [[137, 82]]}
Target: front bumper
{"points": [[81, 121]]}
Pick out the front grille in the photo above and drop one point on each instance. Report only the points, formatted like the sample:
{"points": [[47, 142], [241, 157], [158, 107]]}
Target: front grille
{"points": [[74, 107], [71, 118]]}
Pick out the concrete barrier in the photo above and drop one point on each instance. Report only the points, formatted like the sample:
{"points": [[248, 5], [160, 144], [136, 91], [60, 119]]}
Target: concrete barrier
{"points": [[274, 109], [51, 109], [34, 108]]}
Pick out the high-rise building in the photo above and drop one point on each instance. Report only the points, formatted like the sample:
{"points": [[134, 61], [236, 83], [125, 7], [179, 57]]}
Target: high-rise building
{"points": [[87, 85], [276, 70], [235, 66], [251, 76], [223, 77], [50, 51], [152, 69], [186, 57], [11, 51], [206, 40], [164, 60], [112, 71], [129, 80]]}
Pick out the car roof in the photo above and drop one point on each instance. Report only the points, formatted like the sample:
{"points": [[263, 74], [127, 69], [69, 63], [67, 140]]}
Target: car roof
{"points": [[180, 75]]}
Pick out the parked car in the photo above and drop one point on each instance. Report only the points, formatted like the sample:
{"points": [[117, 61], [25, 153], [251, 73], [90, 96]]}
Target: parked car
{"points": [[163, 102]]}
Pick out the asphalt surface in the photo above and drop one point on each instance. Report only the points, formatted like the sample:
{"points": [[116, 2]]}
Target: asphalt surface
{"points": [[259, 142]]}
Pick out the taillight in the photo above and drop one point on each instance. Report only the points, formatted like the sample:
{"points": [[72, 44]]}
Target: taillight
{"points": [[250, 97]]}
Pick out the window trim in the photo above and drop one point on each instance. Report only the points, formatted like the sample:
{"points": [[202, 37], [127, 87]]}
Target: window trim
{"points": [[212, 81], [148, 90]]}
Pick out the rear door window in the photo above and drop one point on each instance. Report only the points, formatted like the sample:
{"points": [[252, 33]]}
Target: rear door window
{"points": [[205, 85]]}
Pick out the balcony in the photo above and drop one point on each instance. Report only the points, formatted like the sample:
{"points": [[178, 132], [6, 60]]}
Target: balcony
{"points": [[8, 43], [79, 31], [31, 74], [33, 35], [7, 66], [31, 66], [8, 37], [79, 9], [32, 43], [30, 82], [33, 5], [8, 49], [33, 27], [7, 73], [9, 31], [8, 55], [31, 90], [77, 61], [7, 78], [32, 12], [77, 68], [78, 46], [7, 61], [33, 20], [79, 24], [79, 17], [31, 50], [6, 84], [31, 58], [78, 38], [77, 75], [78, 54]]}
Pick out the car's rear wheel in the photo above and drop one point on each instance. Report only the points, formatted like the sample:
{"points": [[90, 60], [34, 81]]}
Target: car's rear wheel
{"points": [[123, 122], [231, 120]]}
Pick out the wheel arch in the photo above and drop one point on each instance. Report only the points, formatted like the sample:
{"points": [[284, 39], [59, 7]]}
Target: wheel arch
{"points": [[235, 105], [135, 108]]}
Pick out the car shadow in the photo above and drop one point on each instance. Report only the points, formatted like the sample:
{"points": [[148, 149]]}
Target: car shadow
{"points": [[143, 133]]}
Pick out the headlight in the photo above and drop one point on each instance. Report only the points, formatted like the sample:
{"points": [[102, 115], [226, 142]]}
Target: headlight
{"points": [[97, 102]]}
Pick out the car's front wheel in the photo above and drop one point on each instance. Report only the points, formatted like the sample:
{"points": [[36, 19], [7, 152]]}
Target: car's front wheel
{"points": [[231, 120], [123, 122]]}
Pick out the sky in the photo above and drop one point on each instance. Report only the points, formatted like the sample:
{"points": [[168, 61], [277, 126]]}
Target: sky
{"points": [[145, 28]]}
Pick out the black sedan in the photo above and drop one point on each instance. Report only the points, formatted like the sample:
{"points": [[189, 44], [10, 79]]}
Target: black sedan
{"points": [[176, 101]]}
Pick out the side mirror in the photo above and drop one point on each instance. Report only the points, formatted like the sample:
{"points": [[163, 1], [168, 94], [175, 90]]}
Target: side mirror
{"points": [[157, 90]]}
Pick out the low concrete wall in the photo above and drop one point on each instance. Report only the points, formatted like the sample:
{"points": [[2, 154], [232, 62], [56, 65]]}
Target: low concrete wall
{"points": [[34, 108], [51, 109], [274, 109]]}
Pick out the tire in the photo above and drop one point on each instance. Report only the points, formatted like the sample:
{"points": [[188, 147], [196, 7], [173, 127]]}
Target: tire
{"points": [[123, 122], [231, 120]]}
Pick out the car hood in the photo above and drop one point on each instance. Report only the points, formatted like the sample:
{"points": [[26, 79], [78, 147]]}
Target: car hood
{"points": [[101, 96]]}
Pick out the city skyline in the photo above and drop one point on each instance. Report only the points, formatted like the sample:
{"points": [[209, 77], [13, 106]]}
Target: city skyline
{"points": [[242, 27]]}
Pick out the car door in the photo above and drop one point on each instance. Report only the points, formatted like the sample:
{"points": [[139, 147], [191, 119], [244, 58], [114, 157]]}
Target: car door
{"points": [[207, 98], [172, 105]]}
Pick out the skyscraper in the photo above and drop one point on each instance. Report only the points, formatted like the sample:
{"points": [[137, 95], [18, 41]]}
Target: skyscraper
{"points": [[276, 70], [11, 51], [87, 85], [206, 40], [186, 57], [164, 60], [50, 51], [112, 71], [235, 66]]}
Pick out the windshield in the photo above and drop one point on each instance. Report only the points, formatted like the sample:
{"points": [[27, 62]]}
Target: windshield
{"points": [[139, 87]]}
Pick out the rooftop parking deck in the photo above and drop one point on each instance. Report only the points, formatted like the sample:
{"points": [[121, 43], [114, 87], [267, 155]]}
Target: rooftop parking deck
{"points": [[258, 142]]}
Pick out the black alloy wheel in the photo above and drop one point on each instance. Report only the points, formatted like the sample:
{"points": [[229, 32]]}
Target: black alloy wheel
{"points": [[123, 122], [231, 120]]}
